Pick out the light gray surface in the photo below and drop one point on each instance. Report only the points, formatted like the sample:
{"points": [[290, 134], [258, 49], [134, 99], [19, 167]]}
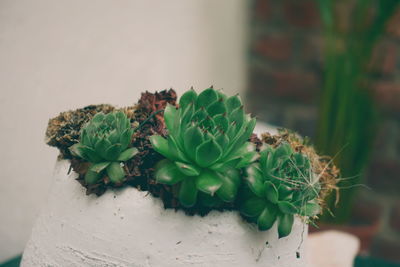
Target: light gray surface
{"points": [[59, 55]]}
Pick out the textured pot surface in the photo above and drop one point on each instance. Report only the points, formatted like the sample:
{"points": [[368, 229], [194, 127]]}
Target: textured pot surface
{"points": [[131, 228]]}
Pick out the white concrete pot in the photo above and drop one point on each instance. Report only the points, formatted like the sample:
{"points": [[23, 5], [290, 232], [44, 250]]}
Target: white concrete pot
{"points": [[128, 227]]}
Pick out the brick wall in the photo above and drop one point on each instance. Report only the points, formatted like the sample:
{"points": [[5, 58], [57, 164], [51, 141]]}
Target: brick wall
{"points": [[285, 70]]}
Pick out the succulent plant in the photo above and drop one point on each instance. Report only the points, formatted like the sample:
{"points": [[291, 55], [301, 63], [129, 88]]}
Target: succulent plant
{"points": [[104, 142], [281, 185], [206, 145]]}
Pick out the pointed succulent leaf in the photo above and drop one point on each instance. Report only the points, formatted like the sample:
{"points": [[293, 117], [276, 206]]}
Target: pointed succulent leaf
{"points": [[271, 192], [199, 115], [113, 152], [285, 223], [310, 209], [101, 147], [283, 150], [255, 180], [187, 98], [208, 153], [221, 122], [208, 182], [76, 150], [90, 154], [267, 218], [287, 207], [247, 159], [218, 107], [239, 152], [187, 114], [253, 207], [171, 117], [92, 177], [128, 154], [187, 169], [85, 139], [175, 150], [285, 192], [110, 118], [207, 97], [233, 103], [99, 167], [192, 139], [121, 118], [166, 172], [126, 138], [98, 118], [222, 140], [242, 137], [114, 136], [188, 192], [266, 159], [160, 144], [230, 184], [237, 116], [115, 172]]}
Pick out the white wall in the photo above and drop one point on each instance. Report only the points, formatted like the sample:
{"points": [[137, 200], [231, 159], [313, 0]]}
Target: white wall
{"points": [[59, 55]]}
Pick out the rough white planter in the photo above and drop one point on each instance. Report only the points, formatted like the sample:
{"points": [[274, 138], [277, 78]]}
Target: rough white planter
{"points": [[131, 228]]}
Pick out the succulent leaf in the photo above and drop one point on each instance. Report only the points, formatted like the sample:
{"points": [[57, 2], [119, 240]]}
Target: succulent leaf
{"points": [[267, 218], [285, 223], [128, 154], [207, 97], [160, 144], [230, 184], [92, 177], [99, 167], [208, 153], [187, 169], [115, 172], [255, 180], [188, 97], [253, 207], [168, 173], [208, 182], [188, 192]]}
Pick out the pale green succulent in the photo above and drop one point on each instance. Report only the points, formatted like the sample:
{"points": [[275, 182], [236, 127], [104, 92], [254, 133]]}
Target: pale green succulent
{"points": [[104, 142], [206, 145], [282, 184]]}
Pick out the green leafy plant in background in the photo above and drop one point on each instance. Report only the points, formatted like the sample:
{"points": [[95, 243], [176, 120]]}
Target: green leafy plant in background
{"points": [[104, 142], [205, 147], [348, 117], [281, 185]]}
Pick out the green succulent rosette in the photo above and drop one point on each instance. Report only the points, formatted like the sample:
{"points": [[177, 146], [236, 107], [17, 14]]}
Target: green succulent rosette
{"points": [[206, 145], [281, 184], [104, 142]]}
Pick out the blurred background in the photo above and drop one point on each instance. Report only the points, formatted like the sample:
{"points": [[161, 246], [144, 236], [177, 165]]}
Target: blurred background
{"points": [[327, 69]]}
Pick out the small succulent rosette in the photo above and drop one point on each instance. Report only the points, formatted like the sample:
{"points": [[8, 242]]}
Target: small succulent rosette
{"points": [[104, 143], [282, 184], [205, 148]]}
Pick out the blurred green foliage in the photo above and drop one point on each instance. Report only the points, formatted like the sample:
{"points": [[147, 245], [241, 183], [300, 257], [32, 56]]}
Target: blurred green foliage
{"points": [[348, 116]]}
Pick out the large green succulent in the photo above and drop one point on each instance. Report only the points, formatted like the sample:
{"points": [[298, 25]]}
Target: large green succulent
{"points": [[104, 142], [205, 147], [281, 184]]}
